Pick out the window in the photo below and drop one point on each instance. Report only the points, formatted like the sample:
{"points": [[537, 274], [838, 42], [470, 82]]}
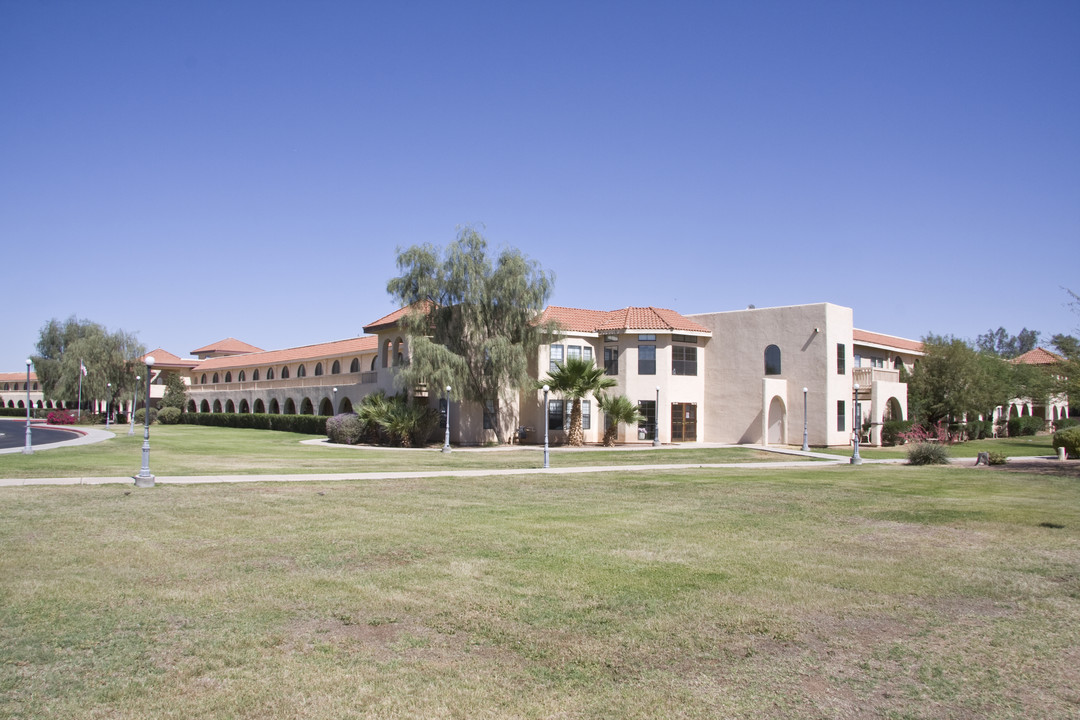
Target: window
{"points": [[556, 357], [647, 338], [335, 369], [318, 369], [586, 353], [647, 408], [646, 359], [301, 372], [683, 360], [243, 376], [285, 374], [611, 338], [269, 373], [840, 414], [228, 376], [685, 339], [201, 380], [611, 361], [586, 414], [841, 359], [216, 380], [877, 362], [489, 414], [573, 352], [772, 360], [897, 363], [255, 375], [555, 414], [858, 360]]}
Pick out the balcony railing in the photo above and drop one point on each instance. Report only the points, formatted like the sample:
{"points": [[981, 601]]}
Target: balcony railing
{"points": [[327, 381], [867, 376]]}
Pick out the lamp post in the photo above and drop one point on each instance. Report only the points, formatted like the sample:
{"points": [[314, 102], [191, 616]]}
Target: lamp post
{"points": [[446, 437], [547, 462], [656, 421], [333, 410], [28, 449], [144, 478], [134, 392], [855, 459], [108, 404], [805, 444]]}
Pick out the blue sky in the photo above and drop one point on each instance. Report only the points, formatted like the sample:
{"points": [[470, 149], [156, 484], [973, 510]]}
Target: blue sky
{"points": [[190, 171]]}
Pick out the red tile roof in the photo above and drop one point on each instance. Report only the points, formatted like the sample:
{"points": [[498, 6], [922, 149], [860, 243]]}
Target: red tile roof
{"points": [[624, 320], [19, 377], [228, 345], [891, 341], [164, 358], [391, 320], [337, 348], [1038, 356]]}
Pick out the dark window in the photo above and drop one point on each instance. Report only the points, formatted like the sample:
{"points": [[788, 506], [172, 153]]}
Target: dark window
{"points": [[556, 357], [586, 414], [301, 371], [285, 375], [555, 414], [255, 375], [573, 351], [243, 376], [611, 361], [269, 373], [228, 377], [355, 366], [202, 380], [841, 412], [648, 411], [318, 369], [897, 363], [335, 369], [692, 339], [646, 359], [683, 360], [216, 378], [841, 359], [611, 338], [647, 338], [489, 414], [772, 360]]}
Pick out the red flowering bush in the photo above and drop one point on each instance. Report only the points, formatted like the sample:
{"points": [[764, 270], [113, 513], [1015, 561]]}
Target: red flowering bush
{"points": [[921, 434], [61, 417]]}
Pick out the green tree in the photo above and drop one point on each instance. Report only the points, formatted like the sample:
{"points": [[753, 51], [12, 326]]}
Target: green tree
{"points": [[175, 392], [575, 380], [999, 342], [109, 357], [472, 322], [953, 380], [618, 410]]}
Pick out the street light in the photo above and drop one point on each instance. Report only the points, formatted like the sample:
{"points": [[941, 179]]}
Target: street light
{"points": [[144, 478], [855, 459], [108, 404], [333, 410], [656, 421], [547, 462], [446, 440], [805, 444], [134, 392], [28, 449]]}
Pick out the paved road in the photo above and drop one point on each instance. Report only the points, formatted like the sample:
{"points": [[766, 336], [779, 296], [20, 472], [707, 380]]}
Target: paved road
{"points": [[13, 434]]}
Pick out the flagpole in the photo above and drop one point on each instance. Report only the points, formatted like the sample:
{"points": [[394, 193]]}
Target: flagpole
{"points": [[82, 371]]}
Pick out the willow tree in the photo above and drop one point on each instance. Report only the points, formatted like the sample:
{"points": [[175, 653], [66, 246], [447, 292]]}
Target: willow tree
{"points": [[110, 359], [472, 322]]}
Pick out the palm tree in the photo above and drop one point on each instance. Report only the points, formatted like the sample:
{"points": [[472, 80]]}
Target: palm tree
{"points": [[574, 380], [618, 410]]}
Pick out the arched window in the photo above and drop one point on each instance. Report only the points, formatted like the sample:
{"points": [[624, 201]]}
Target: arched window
{"points": [[355, 367], [216, 378], [217, 406], [202, 380], [285, 374], [335, 369], [269, 373], [228, 376], [373, 363], [897, 363], [255, 375], [204, 406], [275, 409], [318, 369], [301, 371], [772, 360], [243, 376]]}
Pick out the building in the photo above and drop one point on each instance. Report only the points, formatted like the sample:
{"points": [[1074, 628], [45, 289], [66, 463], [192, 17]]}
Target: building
{"points": [[14, 388], [1050, 409]]}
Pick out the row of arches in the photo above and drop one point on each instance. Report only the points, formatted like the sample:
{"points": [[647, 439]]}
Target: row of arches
{"points": [[14, 387], [40, 405], [284, 372], [273, 407]]}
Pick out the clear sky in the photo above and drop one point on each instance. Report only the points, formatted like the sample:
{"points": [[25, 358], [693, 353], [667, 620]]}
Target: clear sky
{"points": [[190, 171]]}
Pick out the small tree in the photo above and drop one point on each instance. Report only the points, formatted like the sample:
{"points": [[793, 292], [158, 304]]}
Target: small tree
{"points": [[175, 392], [576, 379], [618, 410]]}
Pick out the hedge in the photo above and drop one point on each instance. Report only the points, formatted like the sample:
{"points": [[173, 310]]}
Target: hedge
{"points": [[307, 424], [1027, 425], [1069, 438], [891, 429]]}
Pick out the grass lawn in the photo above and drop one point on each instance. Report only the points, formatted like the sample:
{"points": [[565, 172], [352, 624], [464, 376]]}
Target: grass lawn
{"points": [[878, 591], [1012, 447], [198, 450]]}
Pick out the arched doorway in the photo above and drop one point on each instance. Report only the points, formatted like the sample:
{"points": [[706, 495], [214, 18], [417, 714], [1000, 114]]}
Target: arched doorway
{"points": [[777, 427], [244, 406], [290, 407], [191, 406], [217, 406], [306, 407], [326, 407], [275, 409], [345, 406], [259, 406], [229, 407], [204, 406]]}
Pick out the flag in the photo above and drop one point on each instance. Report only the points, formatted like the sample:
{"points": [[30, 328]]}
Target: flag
{"points": [[82, 368]]}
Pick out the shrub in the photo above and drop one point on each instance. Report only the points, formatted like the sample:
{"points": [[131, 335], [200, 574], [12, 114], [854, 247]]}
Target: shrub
{"points": [[307, 424], [1024, 426], [169, 415], [140, 416], [61, 417], [1069, 438], [1063, 423], [89, 418], [997, 458], [923, 434], [892, 429], [346, 429], [927, 453], [979, 429]]}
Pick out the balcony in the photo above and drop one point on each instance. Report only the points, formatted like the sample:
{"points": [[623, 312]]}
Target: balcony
{"points": [[317, 381], [867, 376]]}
